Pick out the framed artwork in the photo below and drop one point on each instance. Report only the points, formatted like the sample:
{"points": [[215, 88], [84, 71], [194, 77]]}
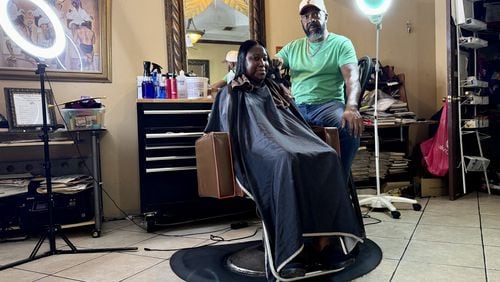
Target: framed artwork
{"points": [[24, 108], [199, 67], [87, 56]]}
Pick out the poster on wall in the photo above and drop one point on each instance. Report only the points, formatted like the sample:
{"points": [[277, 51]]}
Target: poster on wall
{"points": [[86, 27]]}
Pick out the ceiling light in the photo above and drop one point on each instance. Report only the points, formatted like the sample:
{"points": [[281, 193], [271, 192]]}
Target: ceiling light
{"points": [[194, 34]]}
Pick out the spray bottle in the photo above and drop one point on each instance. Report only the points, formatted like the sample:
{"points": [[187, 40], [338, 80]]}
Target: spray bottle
{"points": [[156, 78], [148, 91]]}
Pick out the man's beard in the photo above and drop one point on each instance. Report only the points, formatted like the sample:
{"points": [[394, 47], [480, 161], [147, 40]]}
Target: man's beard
{"points": [[314, 30]]}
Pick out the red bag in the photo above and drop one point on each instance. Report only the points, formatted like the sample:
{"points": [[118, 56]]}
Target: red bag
{"points": [[435, 149]]}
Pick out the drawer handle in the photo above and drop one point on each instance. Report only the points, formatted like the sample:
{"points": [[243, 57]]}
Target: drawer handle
{"points": [[167, 169], [176, 112], [169, 147], [171, 158], [35, 143], [173, 135]]}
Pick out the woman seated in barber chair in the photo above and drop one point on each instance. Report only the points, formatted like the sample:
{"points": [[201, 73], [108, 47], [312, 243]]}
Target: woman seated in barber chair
{"points": [[294, 177]]}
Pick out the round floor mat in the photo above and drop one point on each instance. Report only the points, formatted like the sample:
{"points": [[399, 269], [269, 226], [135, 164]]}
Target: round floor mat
{"points": [[205, 264]]}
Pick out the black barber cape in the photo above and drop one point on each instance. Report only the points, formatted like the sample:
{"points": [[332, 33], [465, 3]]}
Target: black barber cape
{"points": [[295, 178]]}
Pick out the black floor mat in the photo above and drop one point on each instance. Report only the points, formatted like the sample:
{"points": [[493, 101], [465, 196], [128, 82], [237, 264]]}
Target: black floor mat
{"points": [[205, 264]]}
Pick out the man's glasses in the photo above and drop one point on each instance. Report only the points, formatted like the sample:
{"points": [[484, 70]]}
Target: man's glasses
{"points": [[311, 15]]}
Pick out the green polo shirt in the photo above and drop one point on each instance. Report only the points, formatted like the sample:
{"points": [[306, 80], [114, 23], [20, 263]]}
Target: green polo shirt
{"points": [[315, 68]]}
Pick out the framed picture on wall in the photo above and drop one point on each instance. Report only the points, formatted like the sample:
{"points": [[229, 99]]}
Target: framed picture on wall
{"points": [[24, 108], [87, 55], [199, 67]]}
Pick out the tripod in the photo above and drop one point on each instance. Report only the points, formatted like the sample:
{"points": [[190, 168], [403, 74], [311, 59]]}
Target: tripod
{"points": [[53, 230]]}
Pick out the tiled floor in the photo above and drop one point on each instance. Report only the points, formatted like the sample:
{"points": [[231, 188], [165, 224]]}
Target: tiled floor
{"points": [[446, 241]]}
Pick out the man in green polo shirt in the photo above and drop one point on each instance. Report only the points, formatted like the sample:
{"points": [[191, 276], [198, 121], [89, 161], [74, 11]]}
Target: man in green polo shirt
{"points": [[321, 64]]}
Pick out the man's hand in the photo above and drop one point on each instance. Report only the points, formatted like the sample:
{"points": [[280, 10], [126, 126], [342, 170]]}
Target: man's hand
{"points": [[352, 117], [277, 63]]}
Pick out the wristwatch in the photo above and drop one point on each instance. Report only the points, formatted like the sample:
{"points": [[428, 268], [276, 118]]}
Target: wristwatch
{"points": [[352, 107]]}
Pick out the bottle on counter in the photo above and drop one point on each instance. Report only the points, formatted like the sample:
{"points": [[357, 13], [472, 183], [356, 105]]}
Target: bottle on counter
{"points": [[140, 78], [162, 92], [155, 78], [147, 87], [172, 85], [182, 86], [148, 90]]}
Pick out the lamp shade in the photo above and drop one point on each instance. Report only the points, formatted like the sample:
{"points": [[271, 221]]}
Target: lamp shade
{"points": [[41, 52], [194, 35]]}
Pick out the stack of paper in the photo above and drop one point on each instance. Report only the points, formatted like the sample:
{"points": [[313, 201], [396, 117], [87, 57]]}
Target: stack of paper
{"points": [[360, 168], [67, 184], [397, 163], [12, 184]]}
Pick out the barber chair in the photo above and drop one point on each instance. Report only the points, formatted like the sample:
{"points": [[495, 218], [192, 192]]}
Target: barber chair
{"points": [[216, 179]]}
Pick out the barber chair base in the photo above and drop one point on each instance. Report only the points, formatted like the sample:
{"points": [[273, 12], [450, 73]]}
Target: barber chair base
{"points": [[210, 263], [249, 261]]}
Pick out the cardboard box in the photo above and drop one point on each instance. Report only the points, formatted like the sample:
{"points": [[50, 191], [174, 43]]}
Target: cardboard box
{"points": [[433, 187]]}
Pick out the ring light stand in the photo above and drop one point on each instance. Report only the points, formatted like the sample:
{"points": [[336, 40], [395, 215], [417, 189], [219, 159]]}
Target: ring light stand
{"points": [[45, 53], [375, 10]]}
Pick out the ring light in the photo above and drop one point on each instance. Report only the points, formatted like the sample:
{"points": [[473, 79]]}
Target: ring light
{"points": [[51, 52], [375, 10], [373, 7]]}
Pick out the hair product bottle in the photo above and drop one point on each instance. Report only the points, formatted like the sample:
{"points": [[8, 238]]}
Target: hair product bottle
{"points": [[148, 91], [182, 86], [172, 85]]}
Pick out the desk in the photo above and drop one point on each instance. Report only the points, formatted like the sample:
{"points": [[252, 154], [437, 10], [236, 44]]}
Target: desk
{"points": [[9, 141]]}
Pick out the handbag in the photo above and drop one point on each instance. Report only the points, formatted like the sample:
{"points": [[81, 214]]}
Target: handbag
{"points": [[435, 149]]}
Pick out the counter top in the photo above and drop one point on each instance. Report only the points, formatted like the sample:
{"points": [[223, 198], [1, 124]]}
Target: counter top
{"points": [[200, 100]]}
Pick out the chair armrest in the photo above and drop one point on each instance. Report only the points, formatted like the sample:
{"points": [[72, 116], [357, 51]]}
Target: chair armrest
{"points": [[214, 165], [330, 135]]}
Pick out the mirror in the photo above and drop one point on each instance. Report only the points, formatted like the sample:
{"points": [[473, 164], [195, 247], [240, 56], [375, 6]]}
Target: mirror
{"points": [[176, 25]]}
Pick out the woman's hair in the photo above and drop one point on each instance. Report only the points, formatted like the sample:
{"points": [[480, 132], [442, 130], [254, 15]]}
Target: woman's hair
{"points": [[280, 94], [241, 64]]}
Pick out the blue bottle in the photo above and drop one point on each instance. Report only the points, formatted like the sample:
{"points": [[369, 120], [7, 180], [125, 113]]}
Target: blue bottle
{"points": [[148, 91], [162, 92]]}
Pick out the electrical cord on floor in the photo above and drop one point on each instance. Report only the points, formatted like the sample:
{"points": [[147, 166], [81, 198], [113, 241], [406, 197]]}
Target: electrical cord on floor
{"points": [[377, 221], [178, 249], [215, 238], [127, 216], [367, 216], [218, 238]]}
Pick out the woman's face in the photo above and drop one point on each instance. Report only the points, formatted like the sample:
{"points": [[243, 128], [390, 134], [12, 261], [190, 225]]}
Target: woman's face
{"points": [[257, 63]]}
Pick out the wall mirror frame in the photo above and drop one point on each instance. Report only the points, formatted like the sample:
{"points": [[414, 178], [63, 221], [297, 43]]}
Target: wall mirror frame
{"points": [[174, 21]]}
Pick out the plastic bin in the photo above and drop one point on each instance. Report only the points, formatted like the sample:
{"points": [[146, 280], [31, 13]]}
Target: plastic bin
{"points": [[83, 118], [197, 87]]}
